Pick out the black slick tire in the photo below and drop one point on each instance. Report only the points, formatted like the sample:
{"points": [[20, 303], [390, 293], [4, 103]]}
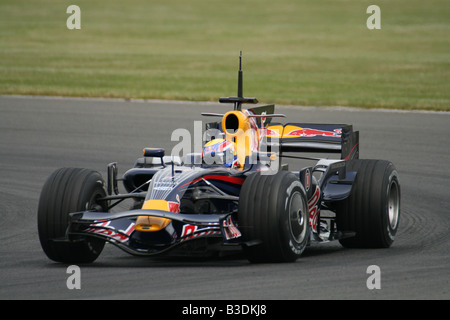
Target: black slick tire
{"points": [[373, 208], [273, 217], [69, 190]]}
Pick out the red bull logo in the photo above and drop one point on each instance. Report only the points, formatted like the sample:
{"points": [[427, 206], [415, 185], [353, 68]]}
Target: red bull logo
{"points": [[272, 133], [307, 132], [174, 206]]}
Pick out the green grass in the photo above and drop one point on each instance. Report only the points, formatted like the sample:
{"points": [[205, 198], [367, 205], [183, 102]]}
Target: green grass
{"points": [[295, 52]]}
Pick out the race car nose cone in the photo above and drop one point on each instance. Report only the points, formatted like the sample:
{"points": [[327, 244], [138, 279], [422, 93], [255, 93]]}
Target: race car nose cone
{"points": [[151, 224]]}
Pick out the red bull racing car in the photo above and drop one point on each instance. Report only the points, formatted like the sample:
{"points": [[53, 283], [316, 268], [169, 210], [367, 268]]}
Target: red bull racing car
{"points": [[236, 193]]}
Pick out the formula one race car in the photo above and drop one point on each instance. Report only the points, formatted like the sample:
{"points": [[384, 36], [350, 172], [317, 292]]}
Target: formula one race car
{"points": [[236, 193]]}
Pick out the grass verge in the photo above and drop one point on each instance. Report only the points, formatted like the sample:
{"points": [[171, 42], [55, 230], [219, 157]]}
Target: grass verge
{"points": [[295, 52]]}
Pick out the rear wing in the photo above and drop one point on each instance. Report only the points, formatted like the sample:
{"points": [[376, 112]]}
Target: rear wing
{"points": [[313, 137]]}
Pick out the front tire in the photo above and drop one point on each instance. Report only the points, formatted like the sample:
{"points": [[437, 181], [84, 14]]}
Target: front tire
{"points": [[373, 208], [273, 217], [69, 190]]}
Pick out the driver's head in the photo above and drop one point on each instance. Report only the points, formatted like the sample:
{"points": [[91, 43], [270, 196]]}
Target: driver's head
{"points": [[219, 151]]}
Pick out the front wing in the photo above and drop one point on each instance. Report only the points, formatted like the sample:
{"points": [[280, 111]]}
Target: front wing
{"points": [[119, 229]]}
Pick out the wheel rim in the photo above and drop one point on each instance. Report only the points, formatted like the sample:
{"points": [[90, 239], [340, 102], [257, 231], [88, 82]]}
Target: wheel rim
{"points": [[393, 204], [297, 218], [94, 203]]}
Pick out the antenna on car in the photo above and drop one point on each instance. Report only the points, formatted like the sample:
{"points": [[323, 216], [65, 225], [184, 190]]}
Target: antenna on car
{"points": [[240, 84], [240, 99]]}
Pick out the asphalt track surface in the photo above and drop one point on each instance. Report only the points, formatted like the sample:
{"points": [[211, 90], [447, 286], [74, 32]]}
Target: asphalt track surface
{"points": [[39, 135]]}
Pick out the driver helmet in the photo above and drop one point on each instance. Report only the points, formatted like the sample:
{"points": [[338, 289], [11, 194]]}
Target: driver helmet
{"points": [[219, 151]]}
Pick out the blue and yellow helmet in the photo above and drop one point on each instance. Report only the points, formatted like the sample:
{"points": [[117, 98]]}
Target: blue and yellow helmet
{"points": [[219, 151]]}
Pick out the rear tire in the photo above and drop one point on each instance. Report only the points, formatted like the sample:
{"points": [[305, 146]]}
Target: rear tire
{"points": [[373, 208], [69, 190], [273, 217]]}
